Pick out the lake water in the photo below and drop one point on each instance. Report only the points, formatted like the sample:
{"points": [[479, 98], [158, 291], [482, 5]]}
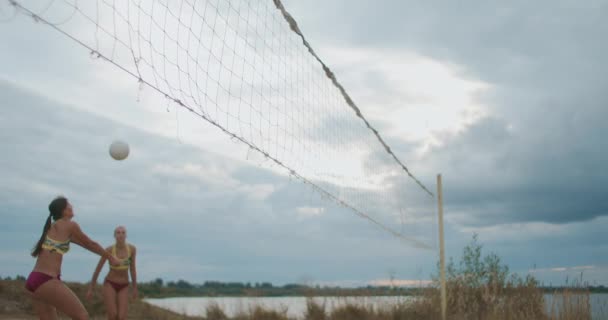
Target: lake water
{"points": [[296, 306]]}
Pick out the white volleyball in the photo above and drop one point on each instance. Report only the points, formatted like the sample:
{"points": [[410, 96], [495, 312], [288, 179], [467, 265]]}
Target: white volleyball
{"points": [[119, 150]]}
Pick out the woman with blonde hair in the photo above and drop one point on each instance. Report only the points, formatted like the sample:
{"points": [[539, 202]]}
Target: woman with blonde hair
{"points": [[116, 283]]}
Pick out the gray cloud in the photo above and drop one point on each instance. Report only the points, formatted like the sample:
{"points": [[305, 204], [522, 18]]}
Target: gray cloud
{"points": [[538, 155], [223, 218], [501, 175]]}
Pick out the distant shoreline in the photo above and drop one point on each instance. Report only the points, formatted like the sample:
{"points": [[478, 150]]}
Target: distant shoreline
{"points": [[182, 288], [173, 289]]}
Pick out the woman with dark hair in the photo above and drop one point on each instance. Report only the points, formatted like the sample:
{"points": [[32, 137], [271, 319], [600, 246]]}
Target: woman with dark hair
{"points": [[116, 283], [44, 284]]}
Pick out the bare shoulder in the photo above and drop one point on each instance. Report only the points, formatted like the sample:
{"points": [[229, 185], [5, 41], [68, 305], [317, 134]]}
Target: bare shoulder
{"points": [[132, 247], [72, 226], [72, 229]]}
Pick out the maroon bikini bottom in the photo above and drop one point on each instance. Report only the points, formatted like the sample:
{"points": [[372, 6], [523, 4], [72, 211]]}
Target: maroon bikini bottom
{"points": [[36, 279], [117, 286]]}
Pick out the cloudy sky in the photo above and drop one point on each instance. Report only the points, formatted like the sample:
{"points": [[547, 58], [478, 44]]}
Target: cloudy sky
{"points": [[507, 102]]}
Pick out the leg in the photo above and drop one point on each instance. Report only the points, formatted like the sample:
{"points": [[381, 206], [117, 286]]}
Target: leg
{"points": [[44, 311], [123, 303], [109, 299], [59, 296]]}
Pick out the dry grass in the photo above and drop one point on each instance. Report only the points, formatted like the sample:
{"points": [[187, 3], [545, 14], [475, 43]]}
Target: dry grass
{"points": [[518, 302], [517, 299], [571, 304], [16, 304], [259, 312], [514, 299], [214, 312]]}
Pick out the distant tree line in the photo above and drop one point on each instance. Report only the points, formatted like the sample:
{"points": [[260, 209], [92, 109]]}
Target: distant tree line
{"points": [[159, 288]]}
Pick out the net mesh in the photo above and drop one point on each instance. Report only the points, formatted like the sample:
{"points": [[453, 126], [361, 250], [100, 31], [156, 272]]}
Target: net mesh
{"points": [[245, 67]]}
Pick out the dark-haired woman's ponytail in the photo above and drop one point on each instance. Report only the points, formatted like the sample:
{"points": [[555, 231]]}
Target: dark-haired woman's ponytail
{"points": [[38, 247]]}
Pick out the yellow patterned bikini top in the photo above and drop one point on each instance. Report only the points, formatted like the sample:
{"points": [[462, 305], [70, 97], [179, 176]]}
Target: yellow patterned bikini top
{"points": [[124, 263], [61, 247]]}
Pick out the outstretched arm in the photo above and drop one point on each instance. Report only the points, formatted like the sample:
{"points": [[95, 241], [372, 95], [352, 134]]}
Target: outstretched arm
{"points": [[133, 270], [81, 239], [93, 283]]}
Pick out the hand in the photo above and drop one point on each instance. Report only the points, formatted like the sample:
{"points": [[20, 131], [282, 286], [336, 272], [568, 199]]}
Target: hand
{"points": [[134, 293], [90, 293], [114, 261]]}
